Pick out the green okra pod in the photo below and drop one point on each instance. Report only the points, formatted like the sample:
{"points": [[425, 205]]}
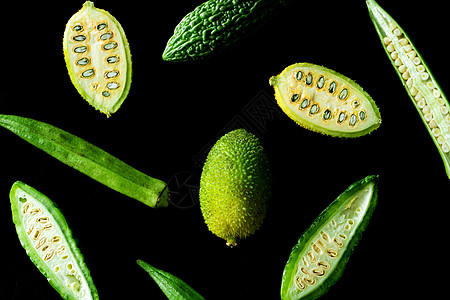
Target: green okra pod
{"points": [[89, 159]]}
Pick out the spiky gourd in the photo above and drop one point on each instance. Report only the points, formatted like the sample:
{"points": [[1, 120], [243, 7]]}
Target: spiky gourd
{"points": [[235, 186]]}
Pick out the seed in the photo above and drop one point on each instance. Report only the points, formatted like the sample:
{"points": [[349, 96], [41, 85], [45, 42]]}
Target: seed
{"points": [[325, 236], [332, 87], [49, 255], [112, 59], [304, 271], [80, 49], [55, 239], [324, 265], [327, 114], [314, 109], [343, 94], [355, 103], [311, 257], [112, 85], [106, 94], [41, 242], [309, 281], [106, 36], [294, 97], [42, 220], [353, 119], [332, 253], [83, 61], [316, 249], [338, 242], [110, 46], [111, 74], [79, 38], [342, 117], [101, 26], [304, 104], [25, 208], [309, 79], [88, 73], [321, 82], [299, 283], [35, 211], [362, 115], [318, 271], [77, 28], [299, 75]]}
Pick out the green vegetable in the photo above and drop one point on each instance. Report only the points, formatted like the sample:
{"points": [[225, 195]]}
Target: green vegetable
{"points": [[215, 25], [235, 186], [98, 58], [324, 101], [416, 77], [89, 159], [47, 239], [320, 256], [173, 287]]}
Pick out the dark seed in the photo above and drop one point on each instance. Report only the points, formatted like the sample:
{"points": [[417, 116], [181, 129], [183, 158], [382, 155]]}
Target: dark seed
{"points": [[77, 28], [314, 109], [112, 85], [83, 61], [299, 75], [362, 115], [79, 38], [343, 94], [101, 26], [111, 74], [327, 114], [110, 46], [80, 49], [309, 79], [294, 97], [353, 119], [106, 36], [106, 94], [304, 104], [88, 73], [332, 87], [112, 59], [342, 117], [321, 82]]}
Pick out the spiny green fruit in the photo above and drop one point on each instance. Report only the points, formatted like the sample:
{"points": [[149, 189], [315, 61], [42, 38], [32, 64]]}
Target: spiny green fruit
{"points": [[235, 186]]}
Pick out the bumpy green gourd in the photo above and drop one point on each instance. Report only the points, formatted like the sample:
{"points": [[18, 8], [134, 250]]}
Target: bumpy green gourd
{"points": [[47, 239], [319, 258], [173, 287], [235, 186], [324, 101], [424, 91], [89, 159], [98, 58], [215, 25]]}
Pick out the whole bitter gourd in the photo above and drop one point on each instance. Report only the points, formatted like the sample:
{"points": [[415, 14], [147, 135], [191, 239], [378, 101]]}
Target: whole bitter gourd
{"points": [[215, 25]]}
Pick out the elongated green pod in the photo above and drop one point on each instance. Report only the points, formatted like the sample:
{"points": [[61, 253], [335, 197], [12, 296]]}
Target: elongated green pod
{"points": [[173, 287], [89, 159], [98, 58], [422, 88], [324, 101], [47, 239], [215, 25], [320, 256]]}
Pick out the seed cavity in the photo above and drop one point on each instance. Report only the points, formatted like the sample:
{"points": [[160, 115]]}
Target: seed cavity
{"points": [[324, 265], [83, 61], [338, 242], [321, 82], [80, 49], [309, 281], [101, 26], [106, 36], [299, 75], [110, 46], [309, 79], [312, 258], [343, 94], [355, 103], [88, 73], [112, 85], [299, 283], [35, 211], [79, 38], [332, 87], [332, 253], [49, 255]]}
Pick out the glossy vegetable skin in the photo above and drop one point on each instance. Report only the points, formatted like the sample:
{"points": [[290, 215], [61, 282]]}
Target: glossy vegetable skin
{"points": [[321, 254], [89, 159]]}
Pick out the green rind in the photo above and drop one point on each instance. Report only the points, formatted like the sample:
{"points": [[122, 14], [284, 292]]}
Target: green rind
{"points": [[445, 157], [62, 224], [324, 130], [173, 287], [323, 218], [73, 77], [215, 25], [89, 160]]}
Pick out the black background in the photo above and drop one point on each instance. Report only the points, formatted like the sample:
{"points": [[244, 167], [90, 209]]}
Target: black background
{"points": [[175, 111]]}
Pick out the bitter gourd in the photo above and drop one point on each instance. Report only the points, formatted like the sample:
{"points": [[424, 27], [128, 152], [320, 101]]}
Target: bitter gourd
{"points": [[215, 25]]}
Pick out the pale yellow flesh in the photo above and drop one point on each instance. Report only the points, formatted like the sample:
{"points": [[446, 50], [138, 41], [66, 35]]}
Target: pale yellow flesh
{"points": [[354, 103], [95, 87]]}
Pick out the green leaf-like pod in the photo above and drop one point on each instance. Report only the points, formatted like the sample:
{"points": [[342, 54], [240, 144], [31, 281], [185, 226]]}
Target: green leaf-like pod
{"points": [[98, 58], [173, 287], [89, 159], [47, 239], [324, 101], [319, 258], [215, 25], [422, 88]]}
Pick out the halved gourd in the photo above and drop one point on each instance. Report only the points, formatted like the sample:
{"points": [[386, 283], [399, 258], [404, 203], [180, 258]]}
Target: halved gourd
{"points": [[98, 58], [325, 101]]}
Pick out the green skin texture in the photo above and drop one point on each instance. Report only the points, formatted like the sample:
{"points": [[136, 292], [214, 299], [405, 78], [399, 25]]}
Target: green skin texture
{"points": [[62, 224], [235, 186], [215, 25], [89, 160], [323, 218], [173, 287]]}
